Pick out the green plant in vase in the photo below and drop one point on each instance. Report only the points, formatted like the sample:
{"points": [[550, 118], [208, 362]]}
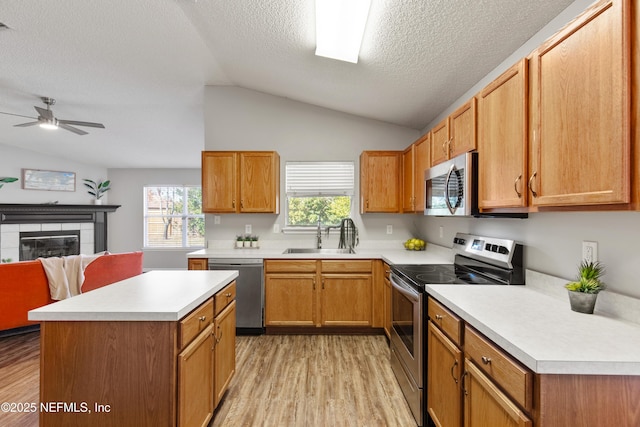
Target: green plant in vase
{"points": [[584, 291], [7, 180]]}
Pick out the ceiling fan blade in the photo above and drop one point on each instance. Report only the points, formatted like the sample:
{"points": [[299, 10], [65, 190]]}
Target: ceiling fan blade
{"points": [[77, 123], [47, 114], [24, 125], [71, 129], [18, 115]]}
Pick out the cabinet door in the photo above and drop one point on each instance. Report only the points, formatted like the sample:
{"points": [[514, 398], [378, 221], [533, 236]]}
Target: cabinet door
{"points": [[502, 140], [387, 301], [462, 132], [195, 381], [380, 181], [485, 405], [440, 142], [422, 161], [444, 370], [225, 350], [259, 182], [219, 184], [346, 300], [580, 111], [289, 300], [408, 190], [198, 264]]}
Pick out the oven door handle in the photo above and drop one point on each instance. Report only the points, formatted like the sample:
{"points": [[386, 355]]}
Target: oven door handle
{"points": [[452, 209], [405, 289]]}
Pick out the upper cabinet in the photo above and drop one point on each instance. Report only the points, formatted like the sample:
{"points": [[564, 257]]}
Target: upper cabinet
{"points": [[415, 159], [455, 135], [580, 111], [240, 182], [502, 140], [380, 181]]}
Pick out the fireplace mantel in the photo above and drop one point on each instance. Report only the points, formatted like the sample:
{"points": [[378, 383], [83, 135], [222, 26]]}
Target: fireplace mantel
{"points": [[55, 213]]}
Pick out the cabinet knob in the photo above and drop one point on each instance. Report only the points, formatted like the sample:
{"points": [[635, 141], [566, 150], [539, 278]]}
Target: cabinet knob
{"points": [[438, 317], [228, 295], [486, 360], [202, 318]]}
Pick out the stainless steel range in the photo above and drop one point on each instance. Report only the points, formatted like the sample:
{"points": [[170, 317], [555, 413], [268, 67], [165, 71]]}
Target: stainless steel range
{"points": [[478, 261]]}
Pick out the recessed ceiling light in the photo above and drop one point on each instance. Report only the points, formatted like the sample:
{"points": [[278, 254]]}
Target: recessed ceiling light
{"points": [[340, 27]]}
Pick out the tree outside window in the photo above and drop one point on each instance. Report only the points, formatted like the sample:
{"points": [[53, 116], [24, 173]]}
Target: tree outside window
{"points": [[173, 217]]}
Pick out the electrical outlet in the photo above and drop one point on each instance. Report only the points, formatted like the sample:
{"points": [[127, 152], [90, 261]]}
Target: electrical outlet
{"points": [[589, 251], [441, 232], [216, 219], [276, 228], [247, 229], [389, 229]]}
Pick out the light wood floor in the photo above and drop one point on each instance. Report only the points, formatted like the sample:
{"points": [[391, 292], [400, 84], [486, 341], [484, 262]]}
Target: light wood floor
{"points": [[280, 381]]}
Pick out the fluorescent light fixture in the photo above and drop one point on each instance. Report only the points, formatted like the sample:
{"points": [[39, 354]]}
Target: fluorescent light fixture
{"points": [[340, 27]]}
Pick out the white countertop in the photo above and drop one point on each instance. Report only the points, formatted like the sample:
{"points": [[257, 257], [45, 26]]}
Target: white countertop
{"points": [[434, 254], [543, 333], [154, 296]]}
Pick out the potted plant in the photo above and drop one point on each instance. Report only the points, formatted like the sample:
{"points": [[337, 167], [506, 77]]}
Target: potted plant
{"points": [[97, 189], [254, 241], [6, 180], [584, 291], [239, 241]]}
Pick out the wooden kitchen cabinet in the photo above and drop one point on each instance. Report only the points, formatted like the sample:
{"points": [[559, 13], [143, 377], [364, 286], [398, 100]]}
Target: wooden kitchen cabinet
{"points": [[240, 182], [503, 140], [454, 135], [318, 293], [195, 378], [580, 111], [415, 159], [387, 300], [224, 332], [444, 366], [197, 264], [381, 181]]}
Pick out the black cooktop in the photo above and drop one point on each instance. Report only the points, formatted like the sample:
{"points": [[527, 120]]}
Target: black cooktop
{"points": [[435, 274]]}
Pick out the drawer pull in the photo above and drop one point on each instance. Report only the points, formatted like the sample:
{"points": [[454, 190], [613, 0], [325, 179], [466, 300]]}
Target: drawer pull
{"points": [[486, 360], [464, 389], [202, 318], [438, 317], [228, 295]]}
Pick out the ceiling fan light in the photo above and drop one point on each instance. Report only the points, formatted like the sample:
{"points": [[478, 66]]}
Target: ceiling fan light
{"points": [[49, 124], [340, 27]]}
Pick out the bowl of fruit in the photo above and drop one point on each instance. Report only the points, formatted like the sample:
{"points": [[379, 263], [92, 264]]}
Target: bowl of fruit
{"points": [[414, 244]]}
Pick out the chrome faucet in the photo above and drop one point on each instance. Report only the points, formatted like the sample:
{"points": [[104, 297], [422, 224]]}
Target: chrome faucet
{"points": [[319, 236]]}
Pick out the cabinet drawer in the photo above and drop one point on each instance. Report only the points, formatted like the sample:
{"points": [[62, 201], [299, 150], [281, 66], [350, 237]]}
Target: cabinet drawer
{"points": [[195, 322], [224, 297], [514, 379], [450, 324], [287, 266], [346, 266]]}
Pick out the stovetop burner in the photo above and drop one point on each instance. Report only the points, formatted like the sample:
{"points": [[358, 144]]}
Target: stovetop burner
{"points": [[438, 274]]}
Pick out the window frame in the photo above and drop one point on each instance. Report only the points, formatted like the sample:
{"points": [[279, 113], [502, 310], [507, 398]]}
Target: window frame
{"points": [[185, 216]]}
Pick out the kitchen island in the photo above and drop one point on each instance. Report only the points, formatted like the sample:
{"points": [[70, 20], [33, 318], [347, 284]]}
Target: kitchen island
{"points": [[153, 350]]}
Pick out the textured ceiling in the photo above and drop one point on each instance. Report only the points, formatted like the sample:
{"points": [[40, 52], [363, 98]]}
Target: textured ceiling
{"points": [[140, 67]]}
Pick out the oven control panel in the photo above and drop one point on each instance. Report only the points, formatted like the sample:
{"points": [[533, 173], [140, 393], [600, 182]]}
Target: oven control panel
{"points": [[494, 250]]}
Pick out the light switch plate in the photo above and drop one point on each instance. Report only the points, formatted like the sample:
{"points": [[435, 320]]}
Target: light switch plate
{"points": [[247, 229], [389, 229]]}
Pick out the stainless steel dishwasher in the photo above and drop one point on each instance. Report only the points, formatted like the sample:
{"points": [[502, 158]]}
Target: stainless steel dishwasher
{"points": [[249, 292]]}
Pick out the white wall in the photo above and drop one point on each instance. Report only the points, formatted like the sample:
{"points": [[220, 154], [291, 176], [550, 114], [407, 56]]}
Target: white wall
{"points": [[13, 160], [241, 119], [554, 240], [126, 224]]}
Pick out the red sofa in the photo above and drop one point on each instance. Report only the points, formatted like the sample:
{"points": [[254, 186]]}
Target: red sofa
{"points": [[24, 285]]}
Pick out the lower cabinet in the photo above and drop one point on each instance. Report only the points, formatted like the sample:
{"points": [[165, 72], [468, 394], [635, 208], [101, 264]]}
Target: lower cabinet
{"points": [[386, 300], [318, 293], [197, 264], [224, 349]]}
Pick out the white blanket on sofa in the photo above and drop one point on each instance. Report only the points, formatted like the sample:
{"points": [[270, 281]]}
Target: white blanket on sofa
{"points": [[66, 274]]}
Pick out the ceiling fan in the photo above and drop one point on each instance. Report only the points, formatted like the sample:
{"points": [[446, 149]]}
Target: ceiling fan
{"points": [[47, 120]]}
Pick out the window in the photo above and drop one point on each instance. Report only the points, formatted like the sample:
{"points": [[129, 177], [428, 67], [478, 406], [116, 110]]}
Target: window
{"points": [[318, 191], [173, 217]]}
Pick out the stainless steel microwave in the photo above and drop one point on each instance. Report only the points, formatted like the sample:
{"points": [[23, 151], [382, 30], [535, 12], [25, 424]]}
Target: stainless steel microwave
{"points": [[450, 187]]}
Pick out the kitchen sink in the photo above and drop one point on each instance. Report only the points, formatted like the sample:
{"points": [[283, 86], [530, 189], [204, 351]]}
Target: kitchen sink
{"points": [[318, 251]]}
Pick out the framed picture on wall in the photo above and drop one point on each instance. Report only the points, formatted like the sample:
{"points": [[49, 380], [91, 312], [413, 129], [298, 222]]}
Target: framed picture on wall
{"points": [[38, 179]]}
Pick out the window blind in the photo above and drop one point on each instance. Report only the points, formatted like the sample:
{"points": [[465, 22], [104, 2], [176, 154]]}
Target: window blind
{"points": [[319, 179]]}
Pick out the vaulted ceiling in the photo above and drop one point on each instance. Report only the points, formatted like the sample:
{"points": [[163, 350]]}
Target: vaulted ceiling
{"points": [[140, 66]]}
